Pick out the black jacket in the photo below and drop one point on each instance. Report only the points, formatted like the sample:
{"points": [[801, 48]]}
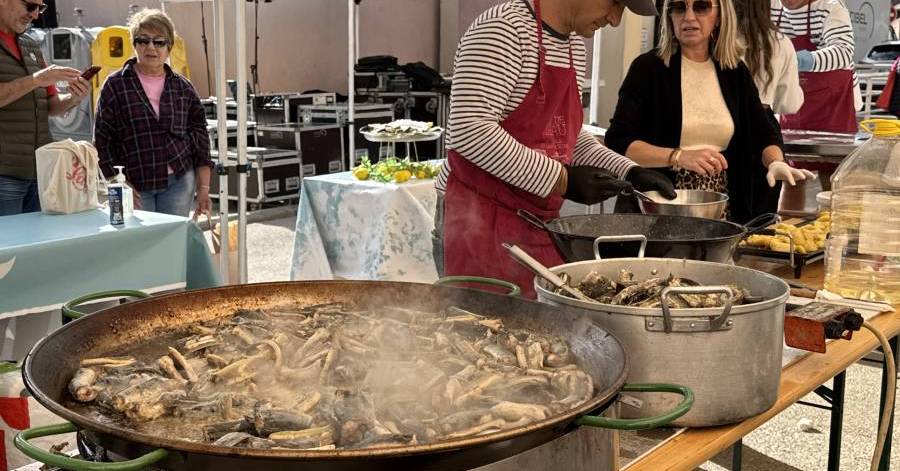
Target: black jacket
{"points": [[649, 109]]}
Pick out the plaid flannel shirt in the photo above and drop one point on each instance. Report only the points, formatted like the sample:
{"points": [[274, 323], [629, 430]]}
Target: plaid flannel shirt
{"points": [[127, 131]]}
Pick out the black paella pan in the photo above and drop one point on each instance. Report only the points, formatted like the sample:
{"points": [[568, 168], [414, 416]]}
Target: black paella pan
{"points": [[595, 236], [51, 363]]}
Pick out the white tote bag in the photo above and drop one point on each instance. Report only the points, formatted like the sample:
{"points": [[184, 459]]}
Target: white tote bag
{"points": [[68, 175]]}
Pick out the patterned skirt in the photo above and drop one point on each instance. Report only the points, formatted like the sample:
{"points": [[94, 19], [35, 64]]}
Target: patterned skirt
{"points": [[688, 180]]}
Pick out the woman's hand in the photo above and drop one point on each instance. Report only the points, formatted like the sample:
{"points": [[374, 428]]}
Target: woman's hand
{"points": [[204, 203], [702, 161], [779, 170]]}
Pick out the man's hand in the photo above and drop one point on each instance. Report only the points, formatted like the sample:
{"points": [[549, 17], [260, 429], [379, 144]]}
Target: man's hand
{"points": [[643, 179], [591, 185], [53, 74], [79, 88]]}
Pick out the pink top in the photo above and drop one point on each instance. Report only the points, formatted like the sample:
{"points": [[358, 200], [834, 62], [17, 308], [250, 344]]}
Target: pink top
{"points": [[153, 88]]}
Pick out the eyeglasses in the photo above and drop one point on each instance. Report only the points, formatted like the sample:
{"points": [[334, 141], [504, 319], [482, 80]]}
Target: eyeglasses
{"points": [[157, 42], [700, 7], [31, 7]]}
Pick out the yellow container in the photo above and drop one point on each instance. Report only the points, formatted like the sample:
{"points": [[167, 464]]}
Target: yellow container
{"points": [[112, 47]]}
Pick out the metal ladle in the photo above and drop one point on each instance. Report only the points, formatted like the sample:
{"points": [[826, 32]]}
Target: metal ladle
{"points": [[540, 270]]}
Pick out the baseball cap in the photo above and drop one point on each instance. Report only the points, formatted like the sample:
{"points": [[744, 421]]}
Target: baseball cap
{"points": [[641, 7]]}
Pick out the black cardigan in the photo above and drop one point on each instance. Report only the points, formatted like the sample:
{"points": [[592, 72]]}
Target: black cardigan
{"points": [[649, 109]]}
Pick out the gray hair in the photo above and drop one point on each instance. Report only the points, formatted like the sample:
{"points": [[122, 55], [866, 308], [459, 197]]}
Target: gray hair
{"points": [[154, 20], [724, 45]]}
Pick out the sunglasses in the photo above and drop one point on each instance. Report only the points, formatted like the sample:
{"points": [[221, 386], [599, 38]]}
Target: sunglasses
{"points": [[31, 7], [700, 7], [158, 43]]}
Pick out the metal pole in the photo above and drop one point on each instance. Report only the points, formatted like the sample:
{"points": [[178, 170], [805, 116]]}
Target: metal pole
{"points": [[594, 107], [351, 84], [885, 463], [243, 168], [737, 455], [221, 117], [594, 110], [837, 421]]}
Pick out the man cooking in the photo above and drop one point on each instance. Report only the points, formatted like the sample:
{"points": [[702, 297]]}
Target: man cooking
{"points": [[515, 139], [823, 38], [27, 97]]}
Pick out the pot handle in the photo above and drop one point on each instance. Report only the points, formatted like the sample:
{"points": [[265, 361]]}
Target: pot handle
{"points": [[74, 464], [69, 311], [514, 289], [532, 219], [714, 324], [687, 401], [620, 238], [761, 222]]}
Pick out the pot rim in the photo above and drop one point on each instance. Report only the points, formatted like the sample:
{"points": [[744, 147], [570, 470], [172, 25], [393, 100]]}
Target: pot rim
{"points": [[595, 405], [543, 292], [722, 199]]}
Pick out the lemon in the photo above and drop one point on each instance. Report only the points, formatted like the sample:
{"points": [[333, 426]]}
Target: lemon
{"points": [[422, 174], [361, 173], [402, 176]]}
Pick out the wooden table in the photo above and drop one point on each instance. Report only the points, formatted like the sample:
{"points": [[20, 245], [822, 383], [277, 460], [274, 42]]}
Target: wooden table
{"points": [[690, 448]]}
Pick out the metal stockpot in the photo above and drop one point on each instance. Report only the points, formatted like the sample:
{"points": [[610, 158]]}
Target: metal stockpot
{"points": [[730, 357]]}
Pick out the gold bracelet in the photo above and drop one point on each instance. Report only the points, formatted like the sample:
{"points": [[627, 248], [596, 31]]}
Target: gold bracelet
{"points": [[676, 158]]}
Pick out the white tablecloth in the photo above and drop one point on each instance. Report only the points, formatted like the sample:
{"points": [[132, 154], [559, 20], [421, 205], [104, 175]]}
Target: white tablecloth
{"points": [[364, 230]]}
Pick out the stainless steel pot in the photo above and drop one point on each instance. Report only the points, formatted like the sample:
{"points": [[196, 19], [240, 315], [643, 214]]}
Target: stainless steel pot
{"points": [[730, 357], [692, 203]]}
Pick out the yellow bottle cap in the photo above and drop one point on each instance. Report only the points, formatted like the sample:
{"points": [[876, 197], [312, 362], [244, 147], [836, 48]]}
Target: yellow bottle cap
{"points": [[881, 127]]}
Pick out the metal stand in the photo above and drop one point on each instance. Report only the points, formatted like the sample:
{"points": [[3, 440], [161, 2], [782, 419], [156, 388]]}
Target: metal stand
{"points": [[885, 463], [222, 134], [242, 167], [835, 397], [352, 35], [737, 455]]}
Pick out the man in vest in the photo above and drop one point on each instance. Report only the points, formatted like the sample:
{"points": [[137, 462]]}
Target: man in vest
{"points": [[27, 97]]}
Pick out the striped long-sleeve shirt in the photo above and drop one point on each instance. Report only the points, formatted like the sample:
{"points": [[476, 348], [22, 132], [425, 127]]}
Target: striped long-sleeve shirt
{"points": [[831, 32], [496, 65]]}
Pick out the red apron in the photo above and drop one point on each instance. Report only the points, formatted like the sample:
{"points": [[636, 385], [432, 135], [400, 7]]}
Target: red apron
{"points": [[828, 96], [480, 209]]}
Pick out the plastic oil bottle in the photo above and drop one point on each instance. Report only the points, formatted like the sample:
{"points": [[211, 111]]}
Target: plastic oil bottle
{"points": [[863, 250]]}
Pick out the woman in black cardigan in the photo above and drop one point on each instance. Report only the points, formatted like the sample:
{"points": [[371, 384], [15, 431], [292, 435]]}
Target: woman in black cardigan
{"points": [[709, 130]]}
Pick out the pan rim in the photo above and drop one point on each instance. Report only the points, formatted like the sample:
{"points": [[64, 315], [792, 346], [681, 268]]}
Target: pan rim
{"points": [[741, 230], [600, 399]]}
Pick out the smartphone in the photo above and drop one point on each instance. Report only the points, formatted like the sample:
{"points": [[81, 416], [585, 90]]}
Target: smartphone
{"points": [[90, 72]]}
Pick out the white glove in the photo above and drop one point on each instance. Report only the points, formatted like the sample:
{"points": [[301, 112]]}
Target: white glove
{"points": [[779, 170]]}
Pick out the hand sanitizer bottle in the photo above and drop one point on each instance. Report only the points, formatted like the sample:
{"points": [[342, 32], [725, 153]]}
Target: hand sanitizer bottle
{"points": [[127, 192]]}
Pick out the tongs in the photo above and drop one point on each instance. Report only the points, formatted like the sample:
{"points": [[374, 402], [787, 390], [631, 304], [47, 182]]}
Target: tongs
{"points": [[540, 270]]}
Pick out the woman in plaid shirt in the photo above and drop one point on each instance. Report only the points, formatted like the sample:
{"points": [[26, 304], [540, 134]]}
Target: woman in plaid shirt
{"points": [[150, 120]]}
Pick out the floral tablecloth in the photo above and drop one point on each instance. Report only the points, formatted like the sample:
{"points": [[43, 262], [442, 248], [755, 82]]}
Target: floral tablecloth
{"points": [[364, 230]]}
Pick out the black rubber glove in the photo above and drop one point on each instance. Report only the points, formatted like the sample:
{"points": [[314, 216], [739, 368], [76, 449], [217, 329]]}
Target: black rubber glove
{"points": [[643, 179], [591, 185]]}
